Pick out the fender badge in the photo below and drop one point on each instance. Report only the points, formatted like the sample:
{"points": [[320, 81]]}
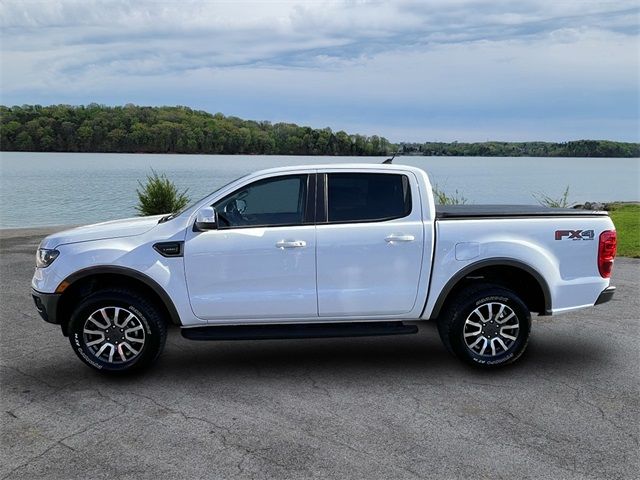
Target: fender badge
{"points": [[575, 235]]}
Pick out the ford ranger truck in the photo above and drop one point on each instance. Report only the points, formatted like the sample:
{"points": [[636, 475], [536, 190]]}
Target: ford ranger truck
{"points": [[322, 251]]}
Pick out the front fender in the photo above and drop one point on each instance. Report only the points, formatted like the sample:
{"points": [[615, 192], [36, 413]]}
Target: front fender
{"points": [[122, 256]]}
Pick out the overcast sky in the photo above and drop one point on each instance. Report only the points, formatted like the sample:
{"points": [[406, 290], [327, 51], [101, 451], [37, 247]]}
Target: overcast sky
{"points": [[409, 70]]}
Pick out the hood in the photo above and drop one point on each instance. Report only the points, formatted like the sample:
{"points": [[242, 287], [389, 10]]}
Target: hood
{"points": [[126, 227]]}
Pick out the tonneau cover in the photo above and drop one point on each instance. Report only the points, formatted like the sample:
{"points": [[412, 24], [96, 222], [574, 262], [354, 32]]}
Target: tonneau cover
{"points": [[506, 211]]}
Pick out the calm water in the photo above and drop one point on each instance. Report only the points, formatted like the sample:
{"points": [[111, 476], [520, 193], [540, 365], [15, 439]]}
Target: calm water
{"points": [[39, 189]]}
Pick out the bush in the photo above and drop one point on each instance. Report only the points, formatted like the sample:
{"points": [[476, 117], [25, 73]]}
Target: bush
{"points": [[441, 198], [547, 201], [159, 195]]}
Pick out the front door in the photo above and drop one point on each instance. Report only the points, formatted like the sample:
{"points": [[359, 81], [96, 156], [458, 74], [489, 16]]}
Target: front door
{"points": [[260, 262], [370, 244]]}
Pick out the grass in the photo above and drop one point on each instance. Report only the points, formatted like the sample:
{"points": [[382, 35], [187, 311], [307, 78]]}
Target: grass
{"points": [[548, 201], [443, 198], [626, 218]]}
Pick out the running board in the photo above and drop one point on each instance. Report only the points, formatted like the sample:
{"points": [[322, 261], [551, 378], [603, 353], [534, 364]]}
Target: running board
{"points": [[311, 330]]}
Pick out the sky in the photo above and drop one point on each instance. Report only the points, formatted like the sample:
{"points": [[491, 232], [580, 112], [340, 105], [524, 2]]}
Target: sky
{"points": [[441, 70]]}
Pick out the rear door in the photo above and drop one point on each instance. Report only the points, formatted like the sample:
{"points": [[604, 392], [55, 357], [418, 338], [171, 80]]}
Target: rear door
{"points": [[369, 243]]}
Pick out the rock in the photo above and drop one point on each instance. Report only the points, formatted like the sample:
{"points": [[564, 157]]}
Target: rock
{"points": [[593, 206]]}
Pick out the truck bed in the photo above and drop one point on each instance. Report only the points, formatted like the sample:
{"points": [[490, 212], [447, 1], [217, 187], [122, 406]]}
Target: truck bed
{"points": [[450, 212]]}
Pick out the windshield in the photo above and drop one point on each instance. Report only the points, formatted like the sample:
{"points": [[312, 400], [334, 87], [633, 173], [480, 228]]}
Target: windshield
{"points": [[180, 212]]}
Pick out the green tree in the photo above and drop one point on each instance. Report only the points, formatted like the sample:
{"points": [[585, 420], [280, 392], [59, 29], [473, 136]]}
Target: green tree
{"points": [[24, 142]]}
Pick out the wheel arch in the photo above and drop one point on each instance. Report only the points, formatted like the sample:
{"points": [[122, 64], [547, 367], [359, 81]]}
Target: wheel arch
{"points": [[533, 288], [86, 281]]}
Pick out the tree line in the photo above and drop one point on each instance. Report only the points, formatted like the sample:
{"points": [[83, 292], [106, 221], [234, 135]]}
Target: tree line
{"points": [[577, 148], [136, 129]]}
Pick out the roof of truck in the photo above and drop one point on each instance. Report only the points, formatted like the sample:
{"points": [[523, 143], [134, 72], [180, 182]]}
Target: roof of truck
{"points": [[339, 166]]}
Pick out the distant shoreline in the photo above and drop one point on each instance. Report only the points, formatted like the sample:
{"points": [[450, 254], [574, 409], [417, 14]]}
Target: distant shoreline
{"points": [[400, 155], [130, 128]]}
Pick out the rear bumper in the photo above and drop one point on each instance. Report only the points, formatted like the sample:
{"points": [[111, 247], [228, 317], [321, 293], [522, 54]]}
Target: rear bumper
{"points": [[47, 305], [606, 295]]}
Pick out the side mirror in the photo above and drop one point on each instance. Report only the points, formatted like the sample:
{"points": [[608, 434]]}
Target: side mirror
{"points": [[206, 219]]}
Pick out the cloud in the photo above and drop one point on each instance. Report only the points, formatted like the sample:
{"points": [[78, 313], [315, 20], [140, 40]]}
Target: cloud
{"points": [[471, 65]]}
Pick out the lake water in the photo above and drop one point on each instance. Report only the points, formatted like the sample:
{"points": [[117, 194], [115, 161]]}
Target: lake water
{"points": [[41, 189]]}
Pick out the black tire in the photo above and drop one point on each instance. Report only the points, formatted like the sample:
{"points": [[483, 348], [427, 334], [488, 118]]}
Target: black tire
{"points": [[478, 302], [147, 335]]}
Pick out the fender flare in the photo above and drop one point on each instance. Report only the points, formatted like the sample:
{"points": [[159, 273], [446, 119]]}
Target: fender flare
{"points": [[491, 262], [133, 274]]}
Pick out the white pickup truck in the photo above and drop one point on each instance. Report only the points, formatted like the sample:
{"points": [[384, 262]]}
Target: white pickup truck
{"points": [[322, 251]]}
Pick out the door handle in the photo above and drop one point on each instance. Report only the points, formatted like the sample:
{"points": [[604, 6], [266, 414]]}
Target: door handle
{"points": [[291, 244], [399, 238]]}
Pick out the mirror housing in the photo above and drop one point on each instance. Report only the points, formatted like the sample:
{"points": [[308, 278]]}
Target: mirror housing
{"points": [[206, 219]]}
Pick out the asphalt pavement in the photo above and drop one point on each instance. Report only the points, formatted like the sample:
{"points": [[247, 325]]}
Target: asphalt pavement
{"points": [[383, 407]]}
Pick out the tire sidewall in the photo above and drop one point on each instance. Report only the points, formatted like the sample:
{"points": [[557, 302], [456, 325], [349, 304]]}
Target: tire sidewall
{"points": [[97, 301], [506, 297]]}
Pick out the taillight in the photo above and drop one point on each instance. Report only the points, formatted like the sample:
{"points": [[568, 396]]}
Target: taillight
{"points": [[607, 252]]}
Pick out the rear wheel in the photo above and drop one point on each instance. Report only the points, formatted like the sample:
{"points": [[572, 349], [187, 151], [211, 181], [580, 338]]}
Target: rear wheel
{"points": [[117, 331], [486, 326]]}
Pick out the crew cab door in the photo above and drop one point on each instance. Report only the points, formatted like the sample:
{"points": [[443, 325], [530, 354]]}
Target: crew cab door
{"points": [[260, 261], [369, 243]]}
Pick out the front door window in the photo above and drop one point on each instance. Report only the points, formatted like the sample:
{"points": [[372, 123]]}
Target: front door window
{"points": [[266, 203]]}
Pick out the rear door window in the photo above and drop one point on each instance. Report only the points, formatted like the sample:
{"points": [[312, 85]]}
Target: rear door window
{"points": [[367, 197]]}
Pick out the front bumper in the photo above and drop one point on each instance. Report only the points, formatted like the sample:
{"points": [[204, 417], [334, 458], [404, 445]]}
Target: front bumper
{"points": [[47, 305], [605, 295]]}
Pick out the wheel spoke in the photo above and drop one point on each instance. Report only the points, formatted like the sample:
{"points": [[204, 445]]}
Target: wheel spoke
{"points": [[97, 323], [479, 314], [130, 348], [124, 322], [92, 332], [493, 347], [478, 340], [103, 311], [121, 353], [502, 344], [95, 342], [103, 348], [506, 318], [509, 327], [133, 329], [510, 337], [133, 339], [484, 347]]}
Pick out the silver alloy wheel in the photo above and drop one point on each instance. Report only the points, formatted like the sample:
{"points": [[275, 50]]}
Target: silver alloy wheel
{"points": [[491, 329], [114, 334]]}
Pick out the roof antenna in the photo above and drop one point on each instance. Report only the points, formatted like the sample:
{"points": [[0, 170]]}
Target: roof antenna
{"points": [[389, 161]]}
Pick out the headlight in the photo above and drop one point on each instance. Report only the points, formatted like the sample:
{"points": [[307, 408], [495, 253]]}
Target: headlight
{"points": [[45, 257]]}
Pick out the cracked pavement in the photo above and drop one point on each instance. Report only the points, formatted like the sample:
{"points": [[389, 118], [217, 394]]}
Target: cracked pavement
{"points": [[381, 407]]}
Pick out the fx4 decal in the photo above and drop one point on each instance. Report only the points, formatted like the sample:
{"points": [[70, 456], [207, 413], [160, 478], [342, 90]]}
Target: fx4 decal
{"points": [[575, 234]]}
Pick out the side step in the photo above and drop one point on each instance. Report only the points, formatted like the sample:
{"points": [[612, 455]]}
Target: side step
{"points": [[309, 330]]}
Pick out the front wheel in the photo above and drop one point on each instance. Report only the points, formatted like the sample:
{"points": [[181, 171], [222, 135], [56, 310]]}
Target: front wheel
{"points": [[117, 331], [486, 326]]}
